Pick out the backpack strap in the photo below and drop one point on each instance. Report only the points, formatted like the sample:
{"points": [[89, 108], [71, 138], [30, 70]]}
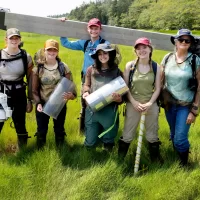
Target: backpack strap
{"points": [[132, 70], [193, 65], [167, 58], [25, 61], [101, 41], [85, 45], [154, 66], [61, 69], [23, 57]]}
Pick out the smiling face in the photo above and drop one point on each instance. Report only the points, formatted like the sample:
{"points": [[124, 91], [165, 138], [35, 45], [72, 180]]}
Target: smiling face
{"points": [[94, 31], [183, 42], [143, 51], [13, 42], [103, 56], [51, 54]]}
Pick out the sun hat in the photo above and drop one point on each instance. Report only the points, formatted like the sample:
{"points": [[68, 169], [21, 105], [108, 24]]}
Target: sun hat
{"points": [[12, 32], [51, 44], [104, 47], [142, 40], [94, 22], [180, 33]]}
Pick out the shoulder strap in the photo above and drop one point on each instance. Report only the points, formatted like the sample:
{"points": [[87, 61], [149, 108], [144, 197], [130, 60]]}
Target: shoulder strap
{"points": [[102, 41], [87, 41], [86, 44], [23, 57], [154, 66], [193, 66], [24, 60], [167, 58], [132, 70], [61, 68]]}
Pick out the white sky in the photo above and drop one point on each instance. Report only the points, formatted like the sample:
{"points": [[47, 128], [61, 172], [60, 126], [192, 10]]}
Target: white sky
{"points": [[41, 8]]}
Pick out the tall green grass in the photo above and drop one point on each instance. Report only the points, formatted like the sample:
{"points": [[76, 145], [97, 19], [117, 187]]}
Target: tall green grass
{"points": [[74, 173]]}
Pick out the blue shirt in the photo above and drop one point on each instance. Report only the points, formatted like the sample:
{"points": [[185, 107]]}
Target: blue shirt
{"points": [[79, 45], [177, 77]]}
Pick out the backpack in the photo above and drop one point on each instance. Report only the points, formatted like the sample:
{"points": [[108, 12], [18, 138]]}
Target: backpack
{"points": [[39, 55], [114, 46], [195, 49], [61, 68], [193, 83], [132, 70], [23, 56]]}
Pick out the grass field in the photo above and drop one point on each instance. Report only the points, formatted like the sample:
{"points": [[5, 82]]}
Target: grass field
{"points": [[73, 173]]}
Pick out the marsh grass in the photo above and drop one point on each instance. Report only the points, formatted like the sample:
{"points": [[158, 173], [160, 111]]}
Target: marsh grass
{"points": [[74, 173]]}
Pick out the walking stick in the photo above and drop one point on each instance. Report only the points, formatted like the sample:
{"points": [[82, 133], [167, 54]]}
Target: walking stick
{"points": [[139, 145]]}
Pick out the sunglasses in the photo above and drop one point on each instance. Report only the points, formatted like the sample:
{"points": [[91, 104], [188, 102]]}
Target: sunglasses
{"points": [[181, 40]]}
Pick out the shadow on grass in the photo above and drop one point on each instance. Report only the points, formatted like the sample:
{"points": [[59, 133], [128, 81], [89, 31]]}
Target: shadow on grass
{"points": [[79, 157]]}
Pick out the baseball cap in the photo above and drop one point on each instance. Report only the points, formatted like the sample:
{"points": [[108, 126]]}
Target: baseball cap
{"points": [[51, 44], [142, 40], [103, 47], [12, 32], [180, 33], [94, 22]]}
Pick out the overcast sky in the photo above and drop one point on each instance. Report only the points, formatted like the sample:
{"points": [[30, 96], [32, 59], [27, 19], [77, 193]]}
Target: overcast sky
{"points": [[41, 8]]}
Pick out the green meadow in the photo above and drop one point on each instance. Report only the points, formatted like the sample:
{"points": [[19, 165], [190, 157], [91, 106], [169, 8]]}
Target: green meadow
{"points": [[74, 173]]}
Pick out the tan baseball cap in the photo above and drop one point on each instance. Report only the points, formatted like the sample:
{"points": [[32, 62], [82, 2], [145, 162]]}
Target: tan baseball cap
{"points": [[12, 32], [51, 44]]}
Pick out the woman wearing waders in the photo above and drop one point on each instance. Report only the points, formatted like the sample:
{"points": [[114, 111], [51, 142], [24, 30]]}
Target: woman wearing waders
{"points": [[181, 80], [144, 85], [14, 65], [46, 76], [102, 72]]}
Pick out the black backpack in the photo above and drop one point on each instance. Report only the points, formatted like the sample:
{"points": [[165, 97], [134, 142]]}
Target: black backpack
{"points": [[195, 49], [87, 41], [23, 56], [132, 70], [193, 83], [61, 68]]}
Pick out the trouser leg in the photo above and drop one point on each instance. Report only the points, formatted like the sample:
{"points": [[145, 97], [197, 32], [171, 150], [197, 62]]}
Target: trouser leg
{"points": [[92, 129], [123, 148], [42, 128], [1, 126], [59, 127], [83, 108], [19, 115], [183, 156]]}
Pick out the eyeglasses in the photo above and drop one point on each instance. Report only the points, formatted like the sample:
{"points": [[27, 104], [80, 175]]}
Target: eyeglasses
{"points": [[181, 40]]}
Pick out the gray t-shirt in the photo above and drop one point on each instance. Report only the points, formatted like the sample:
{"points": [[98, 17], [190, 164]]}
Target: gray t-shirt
{"points": [[14, 70]]}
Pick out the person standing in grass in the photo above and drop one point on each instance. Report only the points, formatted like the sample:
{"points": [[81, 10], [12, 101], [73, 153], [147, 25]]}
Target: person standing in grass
{"points": [[144, 85], [88, 47], [102, 72], [15, 63], [179, 82], [46, 76]]}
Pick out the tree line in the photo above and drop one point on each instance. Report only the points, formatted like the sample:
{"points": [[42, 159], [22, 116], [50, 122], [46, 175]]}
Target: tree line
{"points": [[141, 14]]}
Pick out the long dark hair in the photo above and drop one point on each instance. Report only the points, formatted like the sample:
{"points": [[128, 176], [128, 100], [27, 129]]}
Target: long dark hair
{"points": [[111, 61]]}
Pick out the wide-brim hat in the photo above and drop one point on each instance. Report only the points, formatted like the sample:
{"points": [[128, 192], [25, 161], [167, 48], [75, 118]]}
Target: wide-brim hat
{"points": [[180, 33], [104, 47]]}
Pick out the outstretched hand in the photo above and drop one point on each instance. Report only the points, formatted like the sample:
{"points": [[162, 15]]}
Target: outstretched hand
{"points": [[63, 19]]}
